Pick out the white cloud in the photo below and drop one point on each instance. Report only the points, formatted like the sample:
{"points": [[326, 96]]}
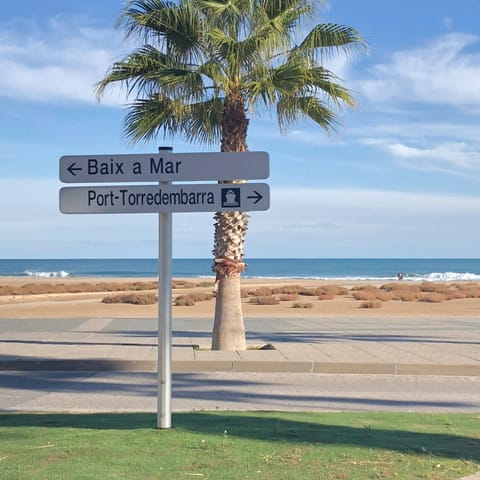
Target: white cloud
{"points": [[374, 132], [61, 62], [453, 157], [444, 72]]}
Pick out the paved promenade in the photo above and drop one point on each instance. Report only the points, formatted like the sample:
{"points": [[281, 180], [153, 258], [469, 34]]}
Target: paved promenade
{"points": [[395, 346]]}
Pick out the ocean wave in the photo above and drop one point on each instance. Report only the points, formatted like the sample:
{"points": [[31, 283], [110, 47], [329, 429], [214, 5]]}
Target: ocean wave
{"points": [[60, 273], [452, 277], [429, 277], [326, 278]]}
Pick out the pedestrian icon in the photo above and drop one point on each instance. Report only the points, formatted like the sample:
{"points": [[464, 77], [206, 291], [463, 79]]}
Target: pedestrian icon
{"points": [[231, 197]]}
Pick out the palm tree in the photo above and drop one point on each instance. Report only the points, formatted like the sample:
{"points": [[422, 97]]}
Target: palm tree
{"points": [[204, 67]]}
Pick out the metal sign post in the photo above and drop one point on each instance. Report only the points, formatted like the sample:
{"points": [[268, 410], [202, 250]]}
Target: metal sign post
{"points": [[164, 374]]}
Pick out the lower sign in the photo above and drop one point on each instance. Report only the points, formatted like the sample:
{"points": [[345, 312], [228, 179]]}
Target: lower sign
{"points": [[165, 198]]}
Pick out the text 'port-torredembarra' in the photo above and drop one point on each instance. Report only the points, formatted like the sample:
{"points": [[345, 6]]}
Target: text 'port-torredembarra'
{"points": [[165, 198]]}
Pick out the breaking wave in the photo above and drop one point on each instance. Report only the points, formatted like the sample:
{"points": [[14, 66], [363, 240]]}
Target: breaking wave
{"points": [[61, 274]]}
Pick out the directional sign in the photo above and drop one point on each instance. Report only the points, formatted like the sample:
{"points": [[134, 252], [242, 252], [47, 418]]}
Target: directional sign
{"points": [[165, 198], [164, 166]]}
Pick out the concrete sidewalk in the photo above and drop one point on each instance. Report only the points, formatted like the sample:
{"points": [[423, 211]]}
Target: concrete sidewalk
{"points": [[403, 346]]}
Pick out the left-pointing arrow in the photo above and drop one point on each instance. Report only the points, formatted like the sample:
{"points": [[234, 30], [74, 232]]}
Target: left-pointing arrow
{"points": [[72, 169], [257, 197]]}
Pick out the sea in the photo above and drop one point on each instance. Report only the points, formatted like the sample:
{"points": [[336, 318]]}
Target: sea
{"points": [[381, 269]]}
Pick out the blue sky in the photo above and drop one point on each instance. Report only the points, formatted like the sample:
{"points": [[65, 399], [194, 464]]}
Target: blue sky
{"points": [[402, 178]]}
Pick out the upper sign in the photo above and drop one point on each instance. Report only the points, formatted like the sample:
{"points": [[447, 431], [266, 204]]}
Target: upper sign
{"points": [[164, 166], [213, 197]]}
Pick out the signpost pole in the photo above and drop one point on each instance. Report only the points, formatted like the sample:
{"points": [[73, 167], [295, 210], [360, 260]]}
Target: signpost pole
{"points": [[164, 415]]}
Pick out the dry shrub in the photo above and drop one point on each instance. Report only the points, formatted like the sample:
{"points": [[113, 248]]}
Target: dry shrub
{"points": [[331, 290], [190, 299], [432, 297], [6, 290], [337, 290], [308, 292], [472, 292], [35, 289], [365, 288], [262, 292], [451, 291], [27, 289], [471, 289], [384, 296], [400, 287], [454, 294], [265, 300], [133, 298], [371, 304], [76, 287], [182, 284], [110, 287], [206, 283], [405, 292], [288, 297], [434, 287], [302, 305], [287, 290], [184, 301], [326, 296], [256, 292], [145, 286], [405, 296], [370, 293], [364, 295], [202, 297]]}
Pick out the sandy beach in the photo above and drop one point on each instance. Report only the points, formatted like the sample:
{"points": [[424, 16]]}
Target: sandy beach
{"points": [[84, 304]]}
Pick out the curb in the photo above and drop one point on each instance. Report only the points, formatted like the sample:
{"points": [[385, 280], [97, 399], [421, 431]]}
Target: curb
{"points": [[259, 366]]}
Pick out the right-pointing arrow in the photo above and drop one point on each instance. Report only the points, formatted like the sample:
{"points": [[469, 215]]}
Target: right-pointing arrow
{"points": [[257, 197]]}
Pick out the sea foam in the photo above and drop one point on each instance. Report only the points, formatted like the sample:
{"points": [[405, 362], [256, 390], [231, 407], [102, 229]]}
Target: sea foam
{"points": [[60, 273], [452, 277]]}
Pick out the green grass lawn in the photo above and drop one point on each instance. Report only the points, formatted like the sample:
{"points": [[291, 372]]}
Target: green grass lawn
{"points": [[240, 445]]}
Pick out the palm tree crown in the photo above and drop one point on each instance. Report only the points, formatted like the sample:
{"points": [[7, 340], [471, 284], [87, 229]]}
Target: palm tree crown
{"points": [[199, 54]]}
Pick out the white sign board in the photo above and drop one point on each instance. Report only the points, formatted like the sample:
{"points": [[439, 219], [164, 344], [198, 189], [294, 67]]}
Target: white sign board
{"points": [[165, 198], [164, 166]]}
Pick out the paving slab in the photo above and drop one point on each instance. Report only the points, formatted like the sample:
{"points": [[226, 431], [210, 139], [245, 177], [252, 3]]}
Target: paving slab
{"points": [[407, 346]]}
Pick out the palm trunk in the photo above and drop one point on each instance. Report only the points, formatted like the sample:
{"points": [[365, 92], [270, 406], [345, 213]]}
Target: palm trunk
{"points": [[230, 230], [228, 328]]}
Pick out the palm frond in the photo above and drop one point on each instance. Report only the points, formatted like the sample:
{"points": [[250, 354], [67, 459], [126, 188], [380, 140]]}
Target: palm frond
{"points": [[328, 39], [203, 121], [149, 117], [291, 108], [175, 27], [146, 118]]}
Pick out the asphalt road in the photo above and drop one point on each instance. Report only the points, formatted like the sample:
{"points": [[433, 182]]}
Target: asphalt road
{"points": [[124, 391]]}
